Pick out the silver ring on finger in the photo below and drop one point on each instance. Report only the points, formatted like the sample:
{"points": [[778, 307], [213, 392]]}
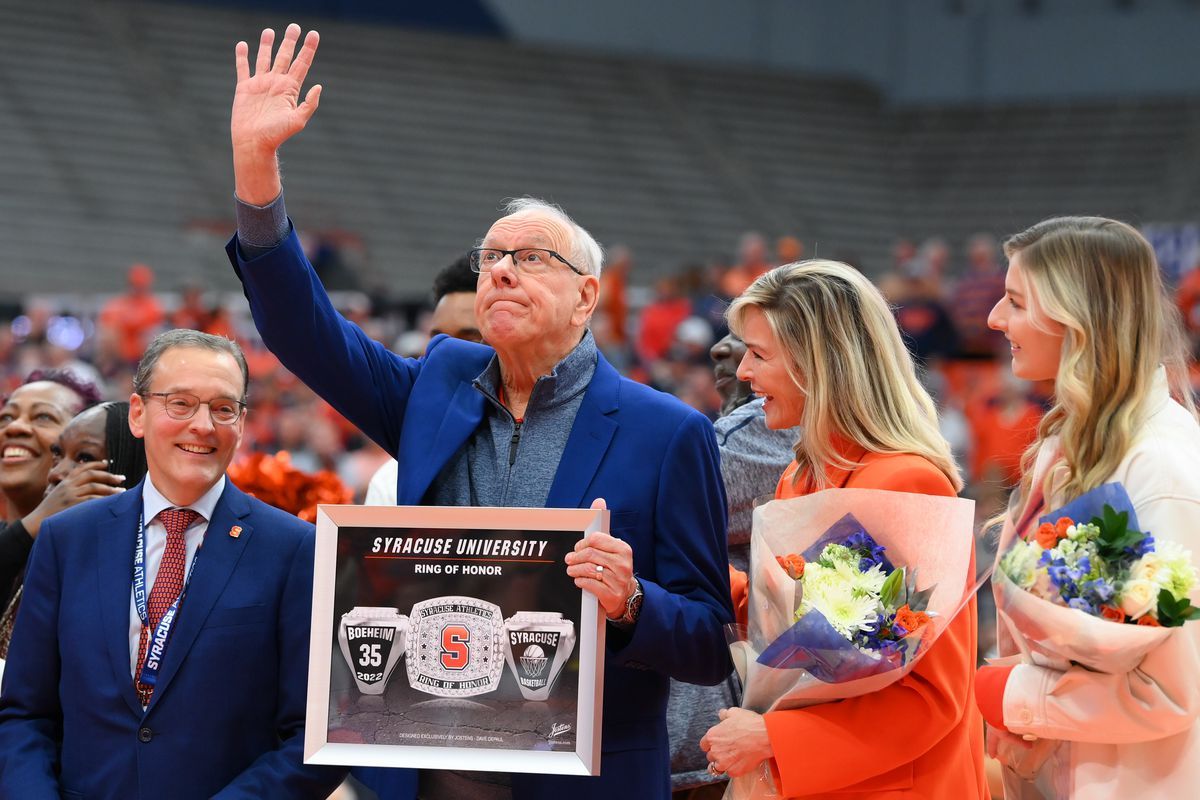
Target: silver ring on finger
{"points": [[714, 770], [599, 572]]}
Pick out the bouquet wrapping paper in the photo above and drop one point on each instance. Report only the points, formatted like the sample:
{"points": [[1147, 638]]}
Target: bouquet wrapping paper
{"points": [[932, 535], [1047, 634]]}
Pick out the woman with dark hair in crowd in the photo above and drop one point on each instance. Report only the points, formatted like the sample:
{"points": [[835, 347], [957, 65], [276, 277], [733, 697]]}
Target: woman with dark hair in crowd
{"points": [[98, 435], [31, 420]]}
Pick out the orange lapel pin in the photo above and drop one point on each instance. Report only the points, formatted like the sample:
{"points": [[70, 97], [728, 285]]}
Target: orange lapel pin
{"points": [[235, 531]]}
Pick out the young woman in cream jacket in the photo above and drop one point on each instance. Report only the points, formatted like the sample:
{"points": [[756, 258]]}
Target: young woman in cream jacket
{"points": [[1084, 306]]}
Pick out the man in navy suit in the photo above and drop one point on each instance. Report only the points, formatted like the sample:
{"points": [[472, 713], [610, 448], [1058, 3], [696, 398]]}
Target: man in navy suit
{"points": [[536, 418], [161, 650]]}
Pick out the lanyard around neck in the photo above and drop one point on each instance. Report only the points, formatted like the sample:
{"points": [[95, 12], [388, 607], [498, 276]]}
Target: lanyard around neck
{"points": [[156, 647]]}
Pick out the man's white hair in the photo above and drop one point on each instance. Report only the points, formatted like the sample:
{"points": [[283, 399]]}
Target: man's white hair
{"points": [[586, 253]]}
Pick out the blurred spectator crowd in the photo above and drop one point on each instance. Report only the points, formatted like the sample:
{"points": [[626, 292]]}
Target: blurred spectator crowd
{"points": [[660, 335]]}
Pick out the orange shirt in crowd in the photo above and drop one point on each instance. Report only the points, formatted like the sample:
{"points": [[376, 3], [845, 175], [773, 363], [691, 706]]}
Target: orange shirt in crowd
{"points": [[1001, 436], [1188, 298], [922, 736], [134, 318], [659, 321]]}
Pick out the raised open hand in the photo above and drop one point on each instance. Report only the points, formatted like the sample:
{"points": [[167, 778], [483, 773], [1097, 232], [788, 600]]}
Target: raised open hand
{"points": [[267, 110]]}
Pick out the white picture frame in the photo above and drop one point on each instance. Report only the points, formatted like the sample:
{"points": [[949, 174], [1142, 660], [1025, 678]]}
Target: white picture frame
{"points": [[356, 545]]}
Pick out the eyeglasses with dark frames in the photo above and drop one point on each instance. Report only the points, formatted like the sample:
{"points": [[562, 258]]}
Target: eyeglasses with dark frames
{"points": [[182, 405], [530, 260]]}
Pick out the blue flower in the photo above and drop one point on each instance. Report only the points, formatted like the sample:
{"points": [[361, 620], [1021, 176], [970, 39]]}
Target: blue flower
{"points": [[1080, 604], [1060, 574], [1146, 545], [890, 648], [1098, 591], [871, 552], [1080, 570]]}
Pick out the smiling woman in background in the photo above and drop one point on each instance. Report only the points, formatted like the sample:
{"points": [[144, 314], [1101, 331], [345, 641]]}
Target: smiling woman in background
{"points": [[97, 437], [31, 421]]}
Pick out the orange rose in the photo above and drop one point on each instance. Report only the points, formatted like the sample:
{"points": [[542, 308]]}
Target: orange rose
{"points": [[1046, 536], [910, 620], [793, 565], [1112, 614], [1061, 526], [1149, 621]]}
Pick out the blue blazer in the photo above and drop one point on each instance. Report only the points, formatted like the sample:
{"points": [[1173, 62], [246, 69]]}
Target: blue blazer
{"points": [[227, 716], [653, 459]]}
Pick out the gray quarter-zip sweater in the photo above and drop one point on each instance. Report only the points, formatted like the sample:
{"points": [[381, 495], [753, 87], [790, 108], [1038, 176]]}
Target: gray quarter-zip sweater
{"points": [[510, 463]]}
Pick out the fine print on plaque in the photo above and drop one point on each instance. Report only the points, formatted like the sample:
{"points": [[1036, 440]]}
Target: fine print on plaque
{"points": [[454, 638]]}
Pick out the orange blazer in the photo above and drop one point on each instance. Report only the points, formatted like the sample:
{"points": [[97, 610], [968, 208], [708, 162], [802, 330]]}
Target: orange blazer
{"points": [[921, 737]]}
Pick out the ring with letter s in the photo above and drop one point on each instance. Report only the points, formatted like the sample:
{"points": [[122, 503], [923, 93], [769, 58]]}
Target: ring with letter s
{"points": [[454, 647]]}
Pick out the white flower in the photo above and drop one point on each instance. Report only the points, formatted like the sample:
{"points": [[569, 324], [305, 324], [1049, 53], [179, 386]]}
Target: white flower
{"points": [[831, 590], [1083, 531], [1151, 567], [816, 576], [1044, 588], [1181, 575], [1020, 563], [1137, 597], [870, 583], [1068, 547], [845, 611], [834, 554]]}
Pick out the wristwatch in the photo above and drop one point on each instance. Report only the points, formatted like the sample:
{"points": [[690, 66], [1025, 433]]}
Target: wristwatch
{"points": [[633, 607]]}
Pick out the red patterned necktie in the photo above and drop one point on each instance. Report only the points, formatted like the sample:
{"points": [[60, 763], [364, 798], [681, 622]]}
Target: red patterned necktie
{"points": [[167, 584]]}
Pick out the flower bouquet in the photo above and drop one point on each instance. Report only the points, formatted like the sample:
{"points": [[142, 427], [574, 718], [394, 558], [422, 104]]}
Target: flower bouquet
{"points": [[856, 614], [1067, 584], [1083, 585], [849, 588]]}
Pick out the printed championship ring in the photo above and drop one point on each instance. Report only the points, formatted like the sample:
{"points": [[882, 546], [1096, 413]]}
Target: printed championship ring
{"points": [[372, 641], [454, 646], [537, 644]]}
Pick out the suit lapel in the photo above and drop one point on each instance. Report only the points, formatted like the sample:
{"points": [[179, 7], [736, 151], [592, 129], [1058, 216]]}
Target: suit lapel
{"points": [[217, 557], [114, 569], [462, 417], [590, 437]]}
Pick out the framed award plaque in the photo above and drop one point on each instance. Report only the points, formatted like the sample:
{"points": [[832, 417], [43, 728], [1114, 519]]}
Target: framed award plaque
{"points": [[453, 638]]}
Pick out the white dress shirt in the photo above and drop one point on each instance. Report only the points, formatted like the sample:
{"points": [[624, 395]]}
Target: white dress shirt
{"points": [[156, 543], [381, 491]]}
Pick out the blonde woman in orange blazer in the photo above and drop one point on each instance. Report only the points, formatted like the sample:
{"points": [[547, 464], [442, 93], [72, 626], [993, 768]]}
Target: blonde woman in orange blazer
{"points": [[824, 350]]}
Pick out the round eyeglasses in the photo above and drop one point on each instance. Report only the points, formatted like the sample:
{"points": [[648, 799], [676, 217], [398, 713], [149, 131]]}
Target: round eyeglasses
{"points": [[181, 405]]}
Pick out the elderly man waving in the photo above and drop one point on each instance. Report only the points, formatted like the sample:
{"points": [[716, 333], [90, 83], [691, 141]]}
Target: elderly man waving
{"points": [[538, 418]]}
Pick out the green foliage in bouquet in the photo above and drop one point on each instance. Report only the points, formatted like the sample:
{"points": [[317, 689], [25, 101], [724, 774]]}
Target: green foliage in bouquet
{"points": [[1118, 542], [1173, 613], [900, 589]]}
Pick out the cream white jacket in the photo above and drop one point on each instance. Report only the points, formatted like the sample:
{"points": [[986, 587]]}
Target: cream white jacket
{"points": [[1131, 735]]}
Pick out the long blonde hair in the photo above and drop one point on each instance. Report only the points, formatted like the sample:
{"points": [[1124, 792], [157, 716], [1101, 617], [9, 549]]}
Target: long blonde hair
{"points": [[1100, 280], [842, 349]]}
